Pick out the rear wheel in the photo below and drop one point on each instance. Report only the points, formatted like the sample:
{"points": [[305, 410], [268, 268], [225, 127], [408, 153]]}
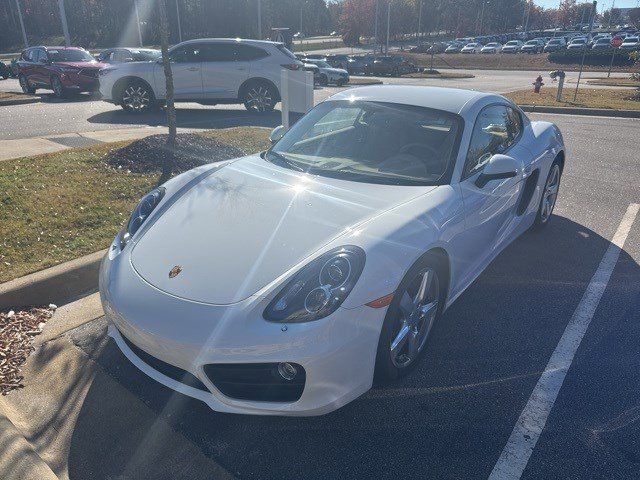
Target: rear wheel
{"points": [[549, 196], [137, 97], [415, 308], [260, 97], [323, 80], [26, 85]]}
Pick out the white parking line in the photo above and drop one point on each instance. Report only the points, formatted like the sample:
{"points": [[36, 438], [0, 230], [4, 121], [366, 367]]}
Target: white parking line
{"points": [[516, 453]]}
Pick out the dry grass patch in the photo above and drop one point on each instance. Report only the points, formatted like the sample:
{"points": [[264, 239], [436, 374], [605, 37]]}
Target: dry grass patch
{"points": [[614, 82], [441, 75], [615, 99], [60, 206]]}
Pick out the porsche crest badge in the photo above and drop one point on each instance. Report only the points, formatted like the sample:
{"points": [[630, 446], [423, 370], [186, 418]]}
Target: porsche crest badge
{"points": [[175, 271]]}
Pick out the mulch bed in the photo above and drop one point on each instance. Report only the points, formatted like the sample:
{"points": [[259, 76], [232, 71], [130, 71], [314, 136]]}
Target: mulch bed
{"points": [[146, 155], [17, 330]]}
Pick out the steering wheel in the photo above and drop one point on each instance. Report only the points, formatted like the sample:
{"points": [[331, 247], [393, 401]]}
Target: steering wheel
{"points": [[415, 148]]}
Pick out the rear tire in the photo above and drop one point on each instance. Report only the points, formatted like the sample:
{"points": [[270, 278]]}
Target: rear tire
{"points": [[549, 196], [27, 88], [395, 357], [260, 97], [137, 97], [323, 80], [58, 90]]}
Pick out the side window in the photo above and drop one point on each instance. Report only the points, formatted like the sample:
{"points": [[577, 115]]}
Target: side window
{"points": [[248, 52], [104, 56], [186, 54], [219, 52], [119, 56], [514, 125], [39, 55], [492, 133]]}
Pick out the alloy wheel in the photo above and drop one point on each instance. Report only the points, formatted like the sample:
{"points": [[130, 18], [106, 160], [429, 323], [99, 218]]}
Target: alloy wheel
{"points": [[259, 98], [57, 87], [417, 311], [550, 193], [24, 84], [136, 98]]}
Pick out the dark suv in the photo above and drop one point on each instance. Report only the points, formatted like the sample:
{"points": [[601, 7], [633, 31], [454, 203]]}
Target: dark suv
{"points": [[390, 65], [61, 69]]}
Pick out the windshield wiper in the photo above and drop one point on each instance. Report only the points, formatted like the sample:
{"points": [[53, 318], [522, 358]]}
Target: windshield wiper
{"points": [[285, 160]]}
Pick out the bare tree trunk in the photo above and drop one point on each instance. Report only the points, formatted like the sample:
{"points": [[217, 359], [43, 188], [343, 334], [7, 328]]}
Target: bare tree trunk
{"points": [[167, 164]]}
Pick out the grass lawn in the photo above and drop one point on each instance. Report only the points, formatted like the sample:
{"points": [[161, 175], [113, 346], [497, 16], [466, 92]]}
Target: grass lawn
{"points": [[617, 99], [364, 81], [60, 206], [14, 96], [614, 82]]}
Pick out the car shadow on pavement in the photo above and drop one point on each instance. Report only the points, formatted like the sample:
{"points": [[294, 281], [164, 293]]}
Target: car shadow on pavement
{"points": [[450, 417], [211, 117]]}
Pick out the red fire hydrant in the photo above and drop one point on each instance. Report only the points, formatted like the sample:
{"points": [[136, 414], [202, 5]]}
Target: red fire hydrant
{"points": [[538, 84]]}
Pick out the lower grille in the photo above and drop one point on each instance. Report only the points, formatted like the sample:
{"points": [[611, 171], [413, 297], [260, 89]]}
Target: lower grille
{"points": [[90, 72], [256, 381], [166, 369]]}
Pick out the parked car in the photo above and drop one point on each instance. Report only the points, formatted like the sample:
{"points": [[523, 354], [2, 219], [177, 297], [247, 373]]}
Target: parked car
{"points": [[492, 47], [471, 48], [631, 44], [360, 247], [334, 34], [328, 75], [310, 67], [359, 64], [299, 35], [454, 48], [579, 43], [602, 44], [121, 55], [337, 61], [390, 65], [533, 46], [5, 71], [421, 48], [512, 46], [64, 70], [555, 44], [208, 71]]}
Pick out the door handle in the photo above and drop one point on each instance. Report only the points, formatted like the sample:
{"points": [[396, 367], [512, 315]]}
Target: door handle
{"points": [[193, 69]]}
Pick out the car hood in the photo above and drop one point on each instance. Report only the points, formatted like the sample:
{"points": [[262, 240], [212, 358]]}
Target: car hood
{"points": [[248, 223], [82, 64]]}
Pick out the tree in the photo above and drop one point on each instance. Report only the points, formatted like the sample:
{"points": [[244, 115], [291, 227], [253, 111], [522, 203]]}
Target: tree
{"points": [[167, 162]]}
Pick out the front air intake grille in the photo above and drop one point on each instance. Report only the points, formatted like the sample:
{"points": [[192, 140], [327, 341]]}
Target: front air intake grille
{"points": [[256, 381], [90, 72], [166, 369]]}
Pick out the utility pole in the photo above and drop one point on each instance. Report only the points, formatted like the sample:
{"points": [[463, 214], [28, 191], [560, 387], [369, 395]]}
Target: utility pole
{"points": [[526, 25], [375, 26], [388, 24], [178, 16], [135, 5], [259, 19], [484, 2], [63, 19], [24, 32], [592, 16], [420, 20]]}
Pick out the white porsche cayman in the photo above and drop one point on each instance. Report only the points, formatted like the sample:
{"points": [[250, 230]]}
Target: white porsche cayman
{"points": [[282, 283]]}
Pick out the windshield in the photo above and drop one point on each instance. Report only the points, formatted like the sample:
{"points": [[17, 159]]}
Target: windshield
{"points": [[145, 55], [579, 41], [512, 43], [320, 63], [70, 56], [372, 142]]}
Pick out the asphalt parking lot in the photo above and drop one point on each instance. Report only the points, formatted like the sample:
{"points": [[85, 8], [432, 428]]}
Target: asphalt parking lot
{"points": [[453, 416]]}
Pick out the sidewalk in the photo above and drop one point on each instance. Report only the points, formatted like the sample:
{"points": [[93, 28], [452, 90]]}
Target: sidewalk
{"points": [[25, 147]]}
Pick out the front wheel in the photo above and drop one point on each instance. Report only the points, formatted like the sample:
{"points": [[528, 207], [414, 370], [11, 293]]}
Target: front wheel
{"points": [[58, 89], [137, 97], [260, 97], [27, 88], [549, 197], [415, 308]]}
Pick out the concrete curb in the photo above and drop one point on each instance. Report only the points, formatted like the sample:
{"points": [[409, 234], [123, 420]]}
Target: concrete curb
{"points": [[19, 101], [599, 112], [60, 284]]}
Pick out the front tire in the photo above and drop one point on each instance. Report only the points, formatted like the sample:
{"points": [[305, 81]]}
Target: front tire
{"points": [[549, 196], [416, 306], [260, 97], [137, 97], [58, 90], [27, 88]]}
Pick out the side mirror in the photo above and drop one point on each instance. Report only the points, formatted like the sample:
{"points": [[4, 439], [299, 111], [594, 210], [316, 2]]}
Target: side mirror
{"points": [[498, 167], [276, 134]]}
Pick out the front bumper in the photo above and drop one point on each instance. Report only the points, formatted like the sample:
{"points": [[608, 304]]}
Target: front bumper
{"points": [[337, 352]]}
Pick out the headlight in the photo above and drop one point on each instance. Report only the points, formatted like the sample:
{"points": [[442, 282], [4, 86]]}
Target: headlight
{"points": [[319, 288], [140, 214]]}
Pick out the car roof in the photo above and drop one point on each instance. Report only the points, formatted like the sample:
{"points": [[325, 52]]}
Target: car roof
{"points": [[231, 40], [441, 98], [61, 48]]}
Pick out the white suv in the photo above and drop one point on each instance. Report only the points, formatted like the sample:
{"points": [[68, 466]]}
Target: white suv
{"points": [[207, 71]]}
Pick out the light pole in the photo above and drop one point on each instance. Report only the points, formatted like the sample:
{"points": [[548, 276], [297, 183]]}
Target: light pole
{"points": [[135, 5], [482, 15], [592, 15], [259, 19], [375, 27], [420, 20], [63, 19], [178, 17], [386, 52], [24, 32]]}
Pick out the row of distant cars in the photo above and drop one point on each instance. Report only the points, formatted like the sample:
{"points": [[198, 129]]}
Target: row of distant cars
{"points": [[367, 64], [625, 41]]}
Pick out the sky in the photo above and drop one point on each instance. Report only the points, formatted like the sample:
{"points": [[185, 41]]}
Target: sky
{"points": [[602, 4]]}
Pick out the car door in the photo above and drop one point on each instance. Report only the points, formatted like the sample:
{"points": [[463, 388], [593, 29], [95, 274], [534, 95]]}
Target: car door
{"points": [[225, 67], [490, 210], [41, 72], [186, 66]]}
